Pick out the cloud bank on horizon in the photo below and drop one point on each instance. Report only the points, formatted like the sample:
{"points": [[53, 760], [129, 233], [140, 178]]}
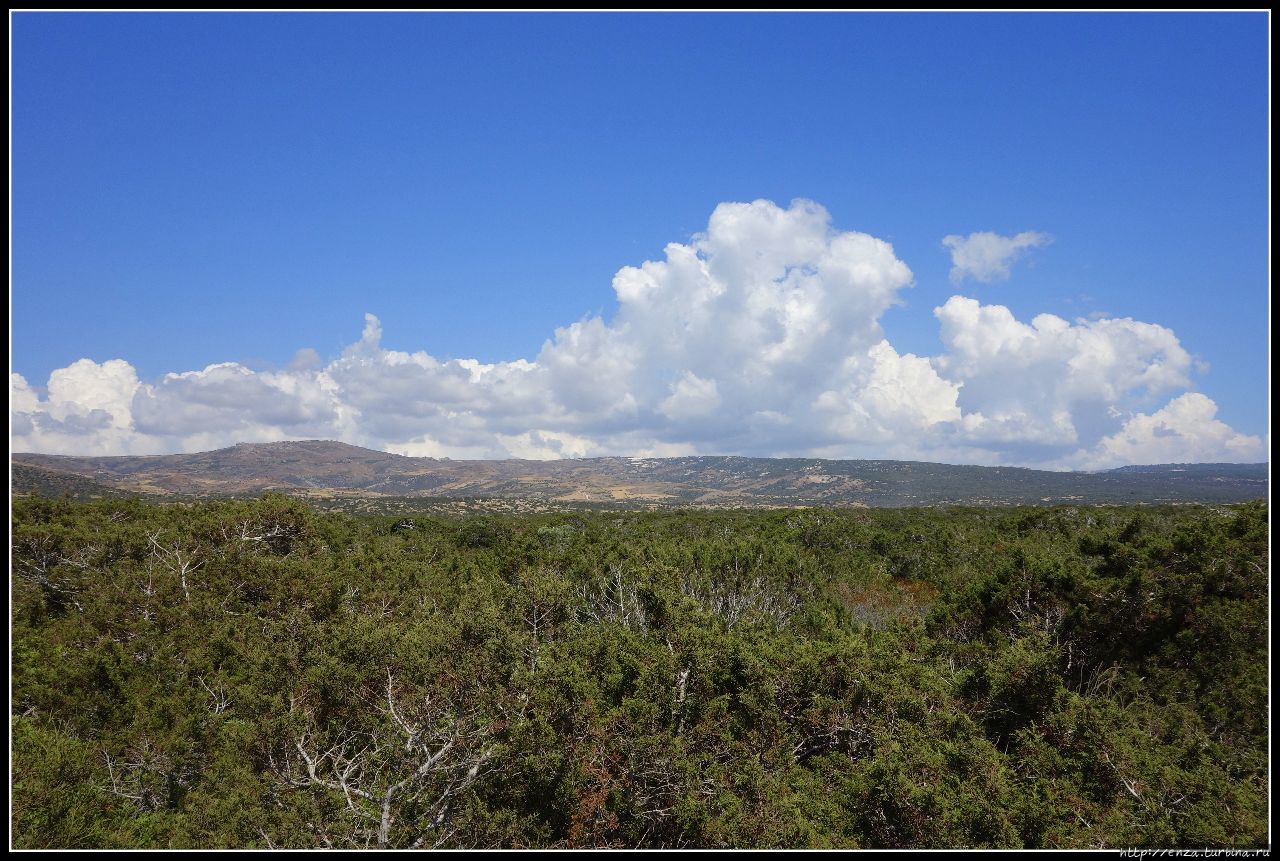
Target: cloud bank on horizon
{"points": [[760, 336]]}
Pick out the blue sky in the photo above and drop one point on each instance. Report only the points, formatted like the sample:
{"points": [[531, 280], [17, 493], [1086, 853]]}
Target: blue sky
{"points": [[198, 189]]}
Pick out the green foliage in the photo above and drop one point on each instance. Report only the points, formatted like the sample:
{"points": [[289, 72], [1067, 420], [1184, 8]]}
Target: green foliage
{"points": [[252, 673]]}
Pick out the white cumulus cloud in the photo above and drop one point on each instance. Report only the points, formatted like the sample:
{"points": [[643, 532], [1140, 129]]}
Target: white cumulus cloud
{"points": [[1052, 382], [1185, 430], [986, 256], [691, 398], [759, 336]]}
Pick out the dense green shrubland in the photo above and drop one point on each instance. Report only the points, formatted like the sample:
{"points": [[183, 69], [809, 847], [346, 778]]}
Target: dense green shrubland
{"points": [[252, 673]]}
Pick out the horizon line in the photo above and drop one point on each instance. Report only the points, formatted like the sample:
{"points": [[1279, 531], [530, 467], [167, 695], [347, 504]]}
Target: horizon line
{"points": [[14, 454]]}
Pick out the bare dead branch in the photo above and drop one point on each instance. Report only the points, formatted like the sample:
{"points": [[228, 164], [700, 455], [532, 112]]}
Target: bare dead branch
{"points": [[426, 754]]}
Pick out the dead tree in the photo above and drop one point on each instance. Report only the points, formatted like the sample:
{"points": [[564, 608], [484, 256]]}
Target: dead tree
{"points": [[146, 776], [398, 784], [220, 700], [278, 537], [179, 562], [536, 618], [34, 558], [678, 690], [736, 602], [616, 601]]}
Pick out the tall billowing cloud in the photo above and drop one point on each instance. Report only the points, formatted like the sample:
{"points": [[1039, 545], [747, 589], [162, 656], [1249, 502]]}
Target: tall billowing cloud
{"points": [[88, 409], [759, 336], [988, 256], [1052, 383]]}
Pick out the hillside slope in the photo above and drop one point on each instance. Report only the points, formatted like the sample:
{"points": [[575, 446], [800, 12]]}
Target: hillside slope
{"points": [[323, 468]]}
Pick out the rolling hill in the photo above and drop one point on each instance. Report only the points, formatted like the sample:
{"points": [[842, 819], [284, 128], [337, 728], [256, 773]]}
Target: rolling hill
{"points": [[334, 469]]}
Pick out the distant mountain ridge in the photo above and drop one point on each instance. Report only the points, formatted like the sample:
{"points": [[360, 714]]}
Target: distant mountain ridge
{"points": [[327, 468], [28, 478]]}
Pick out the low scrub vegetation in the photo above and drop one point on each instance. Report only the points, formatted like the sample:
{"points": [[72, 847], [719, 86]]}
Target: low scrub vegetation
{"points": [[252, 673]]}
